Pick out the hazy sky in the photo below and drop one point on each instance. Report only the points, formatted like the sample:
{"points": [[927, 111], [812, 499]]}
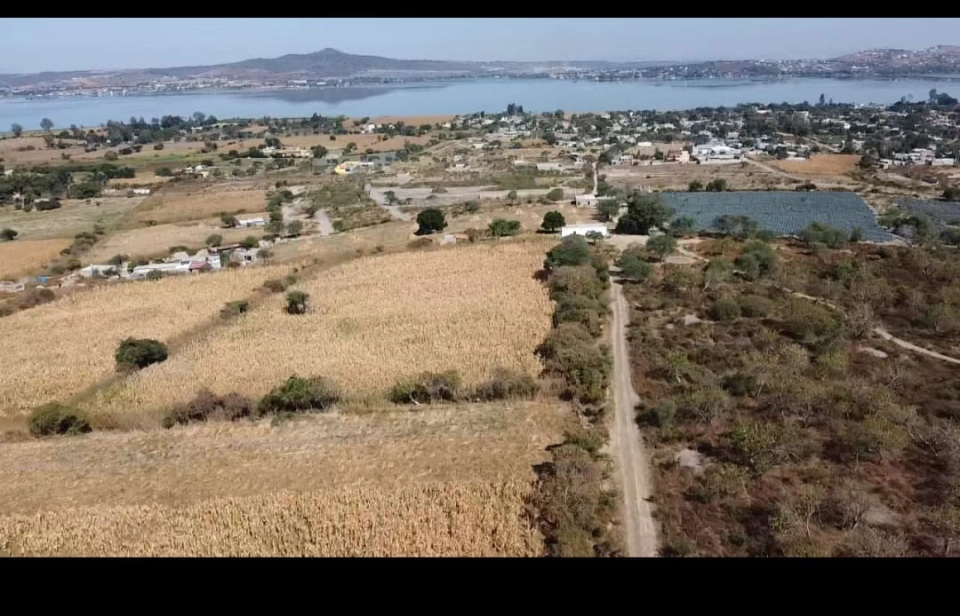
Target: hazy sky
{"points": [[32, 45]]}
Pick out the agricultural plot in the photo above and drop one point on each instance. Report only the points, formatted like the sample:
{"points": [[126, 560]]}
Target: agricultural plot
{"points": [[439, 481], [784, 213], [19, 256], [74, 216], [371, 322], [170, 206], [155, 241], [55, 351], [942, 213]]}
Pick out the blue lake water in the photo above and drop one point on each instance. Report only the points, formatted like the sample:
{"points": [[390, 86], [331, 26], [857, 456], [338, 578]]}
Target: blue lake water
{"points": [[458, 97]]}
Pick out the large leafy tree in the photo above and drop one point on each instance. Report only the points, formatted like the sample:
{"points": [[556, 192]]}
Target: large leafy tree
{"points": [[644, 211]]}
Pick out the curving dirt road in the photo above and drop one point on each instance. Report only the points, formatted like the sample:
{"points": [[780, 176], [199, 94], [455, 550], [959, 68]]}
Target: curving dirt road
{"points": [[626, 444]]}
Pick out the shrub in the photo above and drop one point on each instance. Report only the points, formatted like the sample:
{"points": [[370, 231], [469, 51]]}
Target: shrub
{"points": [[297, 302], [299, 394], [757, 259], [111, 156], [506, 383], [591, 439], [724, 309], [662, 245], [825, 234], [634, 268], [155, 275], [49, 204], [158, 146], [740, 384], [207, 405], [233, 309], [564, 335], [695, 186], [250, 242], [504, 228], [134, 354], [579, 309], [9, 234], [427, 387], [810, 322], [754, 306], [659, 416], [572, 250], [581, 280], [54, 418], [36, 297], [555, 195], [275, 285], [214, 240]]}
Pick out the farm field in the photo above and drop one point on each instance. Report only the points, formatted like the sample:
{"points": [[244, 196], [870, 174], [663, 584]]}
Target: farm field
{"points": [[820, 165], [784, 213], [436, 481], [678, 177], [189, 204], [19, 256], [155, 241], [942, 213], [372, 322], [74, 216], [363, 142], [57, 350]]}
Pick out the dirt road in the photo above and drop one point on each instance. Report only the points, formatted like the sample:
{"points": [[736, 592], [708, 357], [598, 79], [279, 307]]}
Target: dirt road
{"points": [[626, 444]]}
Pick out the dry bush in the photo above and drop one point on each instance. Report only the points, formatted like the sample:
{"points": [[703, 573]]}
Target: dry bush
{"points": [[20, 256], [374, 322], [54, 351], [481, 518]]}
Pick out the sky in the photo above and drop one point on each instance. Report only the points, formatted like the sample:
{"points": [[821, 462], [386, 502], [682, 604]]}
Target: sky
{"points": [[34, 45]]}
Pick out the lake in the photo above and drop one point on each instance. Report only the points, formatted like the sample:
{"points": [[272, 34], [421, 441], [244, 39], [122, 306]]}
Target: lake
{"points": [[467, 96]]}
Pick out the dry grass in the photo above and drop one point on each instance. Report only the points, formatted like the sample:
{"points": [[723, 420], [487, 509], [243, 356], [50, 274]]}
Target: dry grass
{"points": [[20, 256], [475, 519], [56, 350], [186, 465], [363, 142], [151, 241], [820, 164], [73, 217], [436, 481], [372, 321], [208, 202]]}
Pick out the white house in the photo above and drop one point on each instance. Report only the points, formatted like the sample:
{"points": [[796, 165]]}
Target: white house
{"points": [[587, 199], [141, 191], [549, 167], [252, 222], [584, 229]]}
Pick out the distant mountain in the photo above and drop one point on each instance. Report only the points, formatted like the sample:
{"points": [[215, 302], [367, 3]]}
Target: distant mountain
{"points": [[330, 64]]}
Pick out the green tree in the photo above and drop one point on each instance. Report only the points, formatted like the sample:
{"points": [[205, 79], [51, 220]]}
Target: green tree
{"points": [[682, 226], [9, 234], [297, 302], [319, 151], [389, 197], [572, 250], [552, 222], [214, 240], [46, 124], [502, 228], [512, 197], [695, 186], [229, 221], [644, 211], [633, 267], [430, 221], [555, 195], [608, 209], [134, 354], [299, 394], [295, 228], [717, 185], [16, 129], [250, 242], [662, 245], [55, 418]]}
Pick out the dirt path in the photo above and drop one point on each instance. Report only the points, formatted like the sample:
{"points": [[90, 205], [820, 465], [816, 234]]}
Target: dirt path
{"points": [[626, 444]]}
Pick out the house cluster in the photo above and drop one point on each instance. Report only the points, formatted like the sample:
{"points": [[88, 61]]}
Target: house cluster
{"points": [[917, 156], [285, 152], [204, 260]]}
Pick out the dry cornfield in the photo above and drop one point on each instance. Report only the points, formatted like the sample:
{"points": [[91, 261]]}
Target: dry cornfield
{"points": [[170, 206], [449, 480], [56, 350], [479, 518], [372, 321], [19, 256], [149, 241]]}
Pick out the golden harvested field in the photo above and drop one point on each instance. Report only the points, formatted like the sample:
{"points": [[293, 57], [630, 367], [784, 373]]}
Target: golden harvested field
{"points": [[448, 480], [56, 350], [169, 206], [820, 164], [73, 217], [19, 256], [150, 241], [372, 321], [476, 519]]}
